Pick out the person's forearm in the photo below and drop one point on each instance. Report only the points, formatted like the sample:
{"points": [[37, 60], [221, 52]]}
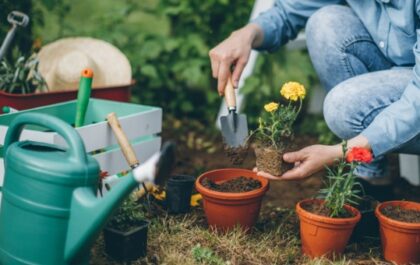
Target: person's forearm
{"points": [[358, 141]]}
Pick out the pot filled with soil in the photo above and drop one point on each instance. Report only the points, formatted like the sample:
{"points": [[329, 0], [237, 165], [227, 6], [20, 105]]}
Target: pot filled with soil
{"points": [[274, 135], [400, 231], [125, 236], [327, 224], [178, 193], [231, 197], [322, 235]]}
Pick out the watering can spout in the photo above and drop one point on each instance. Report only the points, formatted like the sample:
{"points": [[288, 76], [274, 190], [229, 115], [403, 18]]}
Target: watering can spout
{"points": [[89, 213]]}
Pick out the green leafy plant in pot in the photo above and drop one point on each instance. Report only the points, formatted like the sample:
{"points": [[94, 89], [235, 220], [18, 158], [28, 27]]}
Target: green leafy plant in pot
{"points": [[326, 224], [125, 235], [274, 135], [22, 77]]}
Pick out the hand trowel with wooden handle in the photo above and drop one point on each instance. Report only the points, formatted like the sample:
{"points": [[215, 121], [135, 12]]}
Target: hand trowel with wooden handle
{"points": [[234, 126]]}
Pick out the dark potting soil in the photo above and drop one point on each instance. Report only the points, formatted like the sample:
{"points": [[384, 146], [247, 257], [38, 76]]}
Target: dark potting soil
{"points": [[400, 214], [236, 155], [321, 209], [239, 184]]}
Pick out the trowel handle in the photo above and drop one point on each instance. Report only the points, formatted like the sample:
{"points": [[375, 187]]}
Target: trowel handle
{"points": [[122, 139], [230, 96]]}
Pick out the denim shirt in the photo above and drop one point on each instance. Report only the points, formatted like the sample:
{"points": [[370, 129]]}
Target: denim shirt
{"points": [[393, 25]]}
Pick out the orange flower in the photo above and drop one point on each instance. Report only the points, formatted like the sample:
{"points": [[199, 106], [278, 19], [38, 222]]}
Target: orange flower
{"points": [[359, 154]]}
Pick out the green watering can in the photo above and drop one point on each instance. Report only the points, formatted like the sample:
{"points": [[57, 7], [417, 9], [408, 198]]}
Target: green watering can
{"points": [[50, 212]]}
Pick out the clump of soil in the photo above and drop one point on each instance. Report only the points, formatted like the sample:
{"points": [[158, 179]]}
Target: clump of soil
{"points": [[236, 155], [323, 210], [271, 161], [400, 214], [239, 184]]}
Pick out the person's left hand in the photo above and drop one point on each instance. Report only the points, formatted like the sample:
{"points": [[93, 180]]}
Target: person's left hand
{"points": [[307, 161]]}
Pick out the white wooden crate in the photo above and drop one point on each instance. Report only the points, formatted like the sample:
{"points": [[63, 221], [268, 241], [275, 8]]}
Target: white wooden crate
{"points": [[142, 124]]}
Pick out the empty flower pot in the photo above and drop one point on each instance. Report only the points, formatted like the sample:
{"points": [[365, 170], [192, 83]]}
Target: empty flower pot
{"points": [[126, 246], [178, 193], [322, 235], [225, 210], [400, 240]]}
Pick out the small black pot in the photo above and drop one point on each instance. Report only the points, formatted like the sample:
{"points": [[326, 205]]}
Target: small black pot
{"points": [[178, 193], [368, 225], [126, 246]]}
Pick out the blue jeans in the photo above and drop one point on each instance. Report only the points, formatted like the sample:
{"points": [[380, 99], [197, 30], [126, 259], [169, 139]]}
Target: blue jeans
{"points": [[360, 80]]}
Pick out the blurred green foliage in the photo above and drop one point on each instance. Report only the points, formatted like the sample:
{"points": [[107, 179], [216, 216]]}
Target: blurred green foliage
{"points": [[167, 43]]}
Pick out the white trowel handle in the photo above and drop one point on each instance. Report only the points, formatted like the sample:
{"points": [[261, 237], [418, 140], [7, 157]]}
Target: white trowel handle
{"points": [[122, 139], [230, 96]]}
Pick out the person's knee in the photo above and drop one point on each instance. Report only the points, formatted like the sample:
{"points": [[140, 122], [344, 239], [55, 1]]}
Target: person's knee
{"points": [[339, 114], [322, 28]]}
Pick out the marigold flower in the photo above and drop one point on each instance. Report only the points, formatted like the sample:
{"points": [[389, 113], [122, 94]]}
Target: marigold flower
{"points": [[293, 91], [359, 154], [195, 199], [271, 107]]}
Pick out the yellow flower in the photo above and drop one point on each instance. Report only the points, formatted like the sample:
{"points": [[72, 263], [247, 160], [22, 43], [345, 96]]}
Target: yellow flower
{"points": [[158, 194], [195, 199], [271, 107], [293, 91]]}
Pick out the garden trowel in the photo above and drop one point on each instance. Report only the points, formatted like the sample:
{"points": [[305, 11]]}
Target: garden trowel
{"points": [[234, 126]]}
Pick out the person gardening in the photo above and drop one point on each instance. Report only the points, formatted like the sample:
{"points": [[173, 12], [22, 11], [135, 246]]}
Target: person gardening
{"points": [[366, 55]]}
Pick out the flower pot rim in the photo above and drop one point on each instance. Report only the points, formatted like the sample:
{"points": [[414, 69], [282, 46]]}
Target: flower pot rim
{"points": [[325, 219], [231, 195], [392, 222], [40, 94], [142, 224], [185, 179]]}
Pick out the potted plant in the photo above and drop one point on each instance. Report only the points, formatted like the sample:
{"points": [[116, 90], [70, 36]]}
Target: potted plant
{"points": [[231, 197], [178, 193], [400, 231], [274, 135], [125, 235], [326, 224]]}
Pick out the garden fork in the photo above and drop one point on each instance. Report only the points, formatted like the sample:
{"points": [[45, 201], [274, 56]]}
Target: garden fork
{"points": [[17, 19]]}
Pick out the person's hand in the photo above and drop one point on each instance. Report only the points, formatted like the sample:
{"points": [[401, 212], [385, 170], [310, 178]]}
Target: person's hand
{"points": [[233, 51], [307, 161]]}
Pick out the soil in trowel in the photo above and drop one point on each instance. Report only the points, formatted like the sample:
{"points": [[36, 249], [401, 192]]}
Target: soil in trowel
{"points": [[239, 184], [236, 155], [400, 214], [321, 209]]}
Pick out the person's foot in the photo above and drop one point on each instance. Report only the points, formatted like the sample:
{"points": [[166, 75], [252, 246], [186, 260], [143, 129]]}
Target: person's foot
{"points": [[381, 192]]}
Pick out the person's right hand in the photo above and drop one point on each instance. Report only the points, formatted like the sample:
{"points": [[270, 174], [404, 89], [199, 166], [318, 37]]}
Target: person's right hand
{"points": [[233, 51]]}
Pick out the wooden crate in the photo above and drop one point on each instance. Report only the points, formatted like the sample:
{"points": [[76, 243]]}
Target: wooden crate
{"points": [[142, 124]]}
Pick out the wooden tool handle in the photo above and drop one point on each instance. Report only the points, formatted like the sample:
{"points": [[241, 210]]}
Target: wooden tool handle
{"points": [[230, 96], [122, 139]]}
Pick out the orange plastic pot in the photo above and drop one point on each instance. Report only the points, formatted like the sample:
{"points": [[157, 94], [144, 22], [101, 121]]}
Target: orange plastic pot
{"points": [[225, 210], [400, 240], [324, 236]]}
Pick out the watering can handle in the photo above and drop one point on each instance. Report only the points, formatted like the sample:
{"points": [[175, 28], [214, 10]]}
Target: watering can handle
{"points": [[76, 149]]}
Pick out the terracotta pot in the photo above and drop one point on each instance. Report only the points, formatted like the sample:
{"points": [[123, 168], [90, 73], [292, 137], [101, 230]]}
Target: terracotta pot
{"points": [[400, 240], [324, 236], [271, 161], [225, 210]]}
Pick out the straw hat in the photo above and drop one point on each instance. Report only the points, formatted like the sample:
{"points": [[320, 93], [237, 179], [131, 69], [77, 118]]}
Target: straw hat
{"points": [[62, 61]]}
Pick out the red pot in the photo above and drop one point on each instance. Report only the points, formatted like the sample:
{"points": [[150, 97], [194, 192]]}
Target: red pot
{"points": [[324, 236], [33, 100], [400, 240], [225, 210]]}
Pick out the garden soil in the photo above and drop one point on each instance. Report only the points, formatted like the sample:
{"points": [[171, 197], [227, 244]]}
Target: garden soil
{"points": [[400, 214], [200, 150], [321, 209], [239, 184]]}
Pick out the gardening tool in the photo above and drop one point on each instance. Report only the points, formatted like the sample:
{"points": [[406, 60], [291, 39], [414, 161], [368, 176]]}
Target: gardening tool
{"points": [[17, 19], [83, 95], [50, 213], [234, 126], [130, 155]]}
